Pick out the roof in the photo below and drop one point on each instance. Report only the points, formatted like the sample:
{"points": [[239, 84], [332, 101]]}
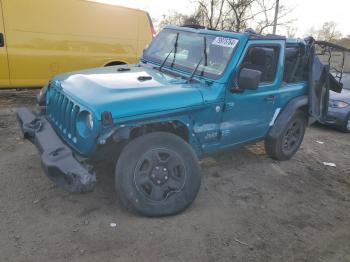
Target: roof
{"points": [[97, 2]]}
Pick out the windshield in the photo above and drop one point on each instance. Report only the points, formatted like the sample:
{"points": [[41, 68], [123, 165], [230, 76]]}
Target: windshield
{"points": [[184, 51]]}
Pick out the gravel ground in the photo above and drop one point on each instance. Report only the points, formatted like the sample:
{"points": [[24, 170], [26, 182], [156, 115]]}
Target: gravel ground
{"points": [[250, 207]]}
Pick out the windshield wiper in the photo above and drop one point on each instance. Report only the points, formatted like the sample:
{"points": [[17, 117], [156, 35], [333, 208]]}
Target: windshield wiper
{"points": [[174, 49], [204, 56]]}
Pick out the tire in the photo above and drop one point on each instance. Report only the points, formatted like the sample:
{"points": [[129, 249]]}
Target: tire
{"points": [[346, 127], [289, 140], [157, 174]]}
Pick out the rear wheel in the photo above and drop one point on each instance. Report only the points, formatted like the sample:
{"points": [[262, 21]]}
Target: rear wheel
{"points": [[288, 142], [157, 174]]}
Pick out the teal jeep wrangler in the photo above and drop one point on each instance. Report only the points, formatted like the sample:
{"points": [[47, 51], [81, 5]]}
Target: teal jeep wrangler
{"points": [[194, 92]]}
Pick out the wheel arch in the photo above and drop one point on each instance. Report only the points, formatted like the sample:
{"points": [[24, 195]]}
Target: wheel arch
{"points": [[114, 63], [176, 127], [128, 132], [298, 103]]}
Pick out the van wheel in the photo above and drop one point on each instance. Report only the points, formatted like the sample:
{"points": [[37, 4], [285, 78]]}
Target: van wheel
{"points": [[288, 142], [157, 175]]}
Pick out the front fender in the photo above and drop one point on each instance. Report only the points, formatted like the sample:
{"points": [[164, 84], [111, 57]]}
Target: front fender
{"points": [[123, 132]]}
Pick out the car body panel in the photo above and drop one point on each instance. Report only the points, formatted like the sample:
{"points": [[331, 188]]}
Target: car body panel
{"points": [[45, 38], [124, 95], [338, 117], [241, 123], [343, 96]]}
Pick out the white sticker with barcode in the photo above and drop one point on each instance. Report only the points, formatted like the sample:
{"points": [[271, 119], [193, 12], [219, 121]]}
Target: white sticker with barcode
{"points": [[226, 42]]}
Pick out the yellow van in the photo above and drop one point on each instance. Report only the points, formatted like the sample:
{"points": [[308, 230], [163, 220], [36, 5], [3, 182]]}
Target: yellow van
{"points": [[42, 38]]}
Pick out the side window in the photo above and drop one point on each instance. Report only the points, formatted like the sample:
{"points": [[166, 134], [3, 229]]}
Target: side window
{"points": [[295, 66], [263, 59]]}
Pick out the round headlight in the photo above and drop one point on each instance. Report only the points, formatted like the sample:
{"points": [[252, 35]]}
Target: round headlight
{"points": [[90, 121], [85, 123]]}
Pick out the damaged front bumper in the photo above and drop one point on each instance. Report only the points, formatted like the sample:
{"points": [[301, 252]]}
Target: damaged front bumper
{"points": [[57, 159], [337, 116]]}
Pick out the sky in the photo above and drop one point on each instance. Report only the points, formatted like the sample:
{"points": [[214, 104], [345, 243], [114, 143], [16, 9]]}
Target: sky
{"points": [[306, 13]]}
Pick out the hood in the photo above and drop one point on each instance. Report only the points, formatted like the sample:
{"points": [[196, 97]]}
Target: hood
{"points": [[343, 96], [129, 90]]}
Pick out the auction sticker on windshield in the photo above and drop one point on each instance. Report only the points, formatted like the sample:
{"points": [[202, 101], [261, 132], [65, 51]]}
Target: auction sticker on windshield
{"points": [[226, 42]]}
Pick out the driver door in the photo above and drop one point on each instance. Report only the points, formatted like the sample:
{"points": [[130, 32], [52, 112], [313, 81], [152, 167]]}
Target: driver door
{"points": [[249, 114], [4, 70]]}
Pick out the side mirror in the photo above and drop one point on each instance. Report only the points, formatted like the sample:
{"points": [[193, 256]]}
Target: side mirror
{"points": [[249, 79]]}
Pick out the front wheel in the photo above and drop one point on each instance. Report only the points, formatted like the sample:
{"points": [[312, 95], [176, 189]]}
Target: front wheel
{"points": [[289, 140], [157, 175], [346, 127]]}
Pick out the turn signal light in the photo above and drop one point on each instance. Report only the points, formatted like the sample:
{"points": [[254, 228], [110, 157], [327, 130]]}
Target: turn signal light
{"points": [[107, 118]]}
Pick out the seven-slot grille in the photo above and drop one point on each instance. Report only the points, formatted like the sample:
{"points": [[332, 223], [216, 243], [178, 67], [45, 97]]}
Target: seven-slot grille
{"points": [[63, 113]]}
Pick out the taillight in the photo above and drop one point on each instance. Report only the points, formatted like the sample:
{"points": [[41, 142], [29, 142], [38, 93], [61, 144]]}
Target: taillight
{"points": [[151, 24]]}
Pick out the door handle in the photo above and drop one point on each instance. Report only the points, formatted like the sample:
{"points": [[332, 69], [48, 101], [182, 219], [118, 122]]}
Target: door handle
{"points": [[2, 41], [270, 98]]}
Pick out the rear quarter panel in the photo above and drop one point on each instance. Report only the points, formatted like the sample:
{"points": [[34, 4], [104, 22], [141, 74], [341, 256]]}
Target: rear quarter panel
{"points": [[291, 90]]}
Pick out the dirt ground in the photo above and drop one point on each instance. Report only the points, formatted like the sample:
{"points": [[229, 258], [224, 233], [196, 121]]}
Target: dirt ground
{"points": [[250, 207]]}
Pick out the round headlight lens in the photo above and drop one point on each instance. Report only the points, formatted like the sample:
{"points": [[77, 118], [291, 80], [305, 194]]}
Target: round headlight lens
{"points": [[90, 121], [85, 123]]}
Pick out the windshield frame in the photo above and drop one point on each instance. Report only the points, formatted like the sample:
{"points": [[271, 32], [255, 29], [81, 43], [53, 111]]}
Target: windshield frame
{"points": [[189, 70]]}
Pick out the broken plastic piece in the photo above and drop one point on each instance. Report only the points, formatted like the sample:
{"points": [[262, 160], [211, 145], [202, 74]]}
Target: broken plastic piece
{"points": [[319, 142], [329, 164]]}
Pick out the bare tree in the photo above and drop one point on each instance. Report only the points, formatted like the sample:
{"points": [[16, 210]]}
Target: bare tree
{"points": [[329, 32], [176, 18], [291, 31], [241, 10], [265, 17], [235, 15], [212, 12]]}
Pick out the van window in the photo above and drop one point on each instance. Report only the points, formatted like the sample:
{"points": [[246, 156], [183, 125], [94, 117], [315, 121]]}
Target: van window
{"points": [[263, 59]]}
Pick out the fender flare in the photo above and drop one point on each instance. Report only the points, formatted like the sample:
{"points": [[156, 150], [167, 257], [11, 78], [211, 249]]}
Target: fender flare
{"points": [[286, 115], [122, 132]]}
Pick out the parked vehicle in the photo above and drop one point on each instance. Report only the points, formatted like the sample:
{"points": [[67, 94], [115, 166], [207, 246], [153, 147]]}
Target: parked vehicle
{"points": [[194, 92], [339, 107], [40, 38]]}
